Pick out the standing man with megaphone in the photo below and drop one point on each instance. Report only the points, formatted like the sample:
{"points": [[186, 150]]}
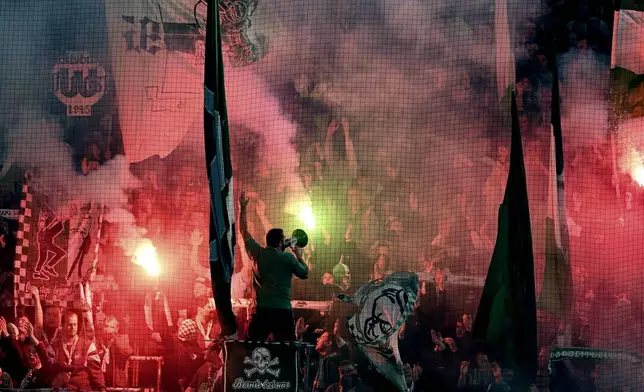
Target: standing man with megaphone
{"points": [[273, 271]]}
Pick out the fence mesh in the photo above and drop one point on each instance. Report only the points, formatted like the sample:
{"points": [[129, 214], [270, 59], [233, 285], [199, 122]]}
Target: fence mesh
{"points": [[381, 128]]}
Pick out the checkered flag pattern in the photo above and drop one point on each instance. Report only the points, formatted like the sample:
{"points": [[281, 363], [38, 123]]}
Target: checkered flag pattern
{"points": [[22, 247], [188, 331], [24, 250]]}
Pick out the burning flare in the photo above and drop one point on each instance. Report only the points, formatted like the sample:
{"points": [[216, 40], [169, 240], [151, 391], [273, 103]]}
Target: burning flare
{"points": [[632, 160], [303, 210], [636, 166], [638, 174], [145, 256]]}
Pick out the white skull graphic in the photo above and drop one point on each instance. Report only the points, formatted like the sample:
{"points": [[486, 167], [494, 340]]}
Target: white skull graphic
{"points": [[262, 362], [261, 357]]}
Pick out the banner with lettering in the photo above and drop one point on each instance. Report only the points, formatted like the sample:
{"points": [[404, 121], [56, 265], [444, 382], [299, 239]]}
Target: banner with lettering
{"points": [[573, 368], [57, 251], [79, 82], [157, 50], [9, 213], [264, 366]]}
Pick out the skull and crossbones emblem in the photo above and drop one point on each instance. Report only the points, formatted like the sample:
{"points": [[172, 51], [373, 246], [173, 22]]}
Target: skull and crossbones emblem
{"points": [[262, 363]]}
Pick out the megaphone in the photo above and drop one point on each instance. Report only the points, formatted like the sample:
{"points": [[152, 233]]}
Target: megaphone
{"points": [[299, 238]]}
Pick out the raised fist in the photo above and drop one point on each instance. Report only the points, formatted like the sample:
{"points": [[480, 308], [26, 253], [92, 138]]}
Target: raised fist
{"points": [[244, 200], [301, 327], [333, 126], [35, 292], [197, 237]]}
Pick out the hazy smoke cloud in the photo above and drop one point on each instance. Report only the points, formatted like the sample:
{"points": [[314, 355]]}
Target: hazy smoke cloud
{"points": [[416, 81], [33, 140], [585, 107]]}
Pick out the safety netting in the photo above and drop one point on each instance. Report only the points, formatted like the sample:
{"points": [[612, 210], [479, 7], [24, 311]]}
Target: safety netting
{"points": [[469, 176]]}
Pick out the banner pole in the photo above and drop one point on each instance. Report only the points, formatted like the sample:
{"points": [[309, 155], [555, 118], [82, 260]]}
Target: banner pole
{"points": [[614, 116]]}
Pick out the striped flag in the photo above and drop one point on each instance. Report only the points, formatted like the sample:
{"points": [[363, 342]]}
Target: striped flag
{"points": [[220, 175], [556, 294]]}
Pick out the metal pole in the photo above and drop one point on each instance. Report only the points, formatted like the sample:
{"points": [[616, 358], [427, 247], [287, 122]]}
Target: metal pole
{"points": [[219, 170], [615, 119]]}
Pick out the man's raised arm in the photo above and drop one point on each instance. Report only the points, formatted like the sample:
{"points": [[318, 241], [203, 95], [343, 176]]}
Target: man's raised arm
{"points": [[243, 220], [252, 247]]}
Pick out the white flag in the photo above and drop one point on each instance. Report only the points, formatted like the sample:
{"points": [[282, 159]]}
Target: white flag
{"points": [[505, 63], [628, 41], [157, 51]]}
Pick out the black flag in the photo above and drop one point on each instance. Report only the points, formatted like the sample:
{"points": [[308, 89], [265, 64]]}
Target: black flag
{"points": [[220, 173], [507, 313]]}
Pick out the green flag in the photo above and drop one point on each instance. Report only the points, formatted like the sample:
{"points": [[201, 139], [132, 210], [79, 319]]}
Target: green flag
{"points": [[556, 297], [556, 291], [507, 315]]}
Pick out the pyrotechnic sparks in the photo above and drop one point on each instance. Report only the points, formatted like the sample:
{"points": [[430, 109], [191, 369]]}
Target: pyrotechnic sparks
{"points": [[638, 172], [632, 160]]}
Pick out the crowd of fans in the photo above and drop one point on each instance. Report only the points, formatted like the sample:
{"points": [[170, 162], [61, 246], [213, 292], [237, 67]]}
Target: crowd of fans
{"points": [[367, 210]]}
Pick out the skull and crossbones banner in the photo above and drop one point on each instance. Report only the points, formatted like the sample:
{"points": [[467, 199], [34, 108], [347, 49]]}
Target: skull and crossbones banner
{"points": [[251, 366]]}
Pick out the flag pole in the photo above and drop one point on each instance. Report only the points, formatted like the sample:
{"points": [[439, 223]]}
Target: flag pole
{"points": [[613, 61], [220, 176], [99, 235], [615, 117]]}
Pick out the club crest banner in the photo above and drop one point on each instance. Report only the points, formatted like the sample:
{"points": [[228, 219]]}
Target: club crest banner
{"points": [[382, 308], [79, 83]]}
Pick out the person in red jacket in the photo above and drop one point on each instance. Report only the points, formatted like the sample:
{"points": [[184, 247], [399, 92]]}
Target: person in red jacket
{"points": [[12, 348], [41, 372], [80, 353]]}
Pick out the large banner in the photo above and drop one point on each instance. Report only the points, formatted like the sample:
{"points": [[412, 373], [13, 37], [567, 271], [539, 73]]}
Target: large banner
{"points": [[573, 368], [55, 252], [157, 49], [264, 366]]}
